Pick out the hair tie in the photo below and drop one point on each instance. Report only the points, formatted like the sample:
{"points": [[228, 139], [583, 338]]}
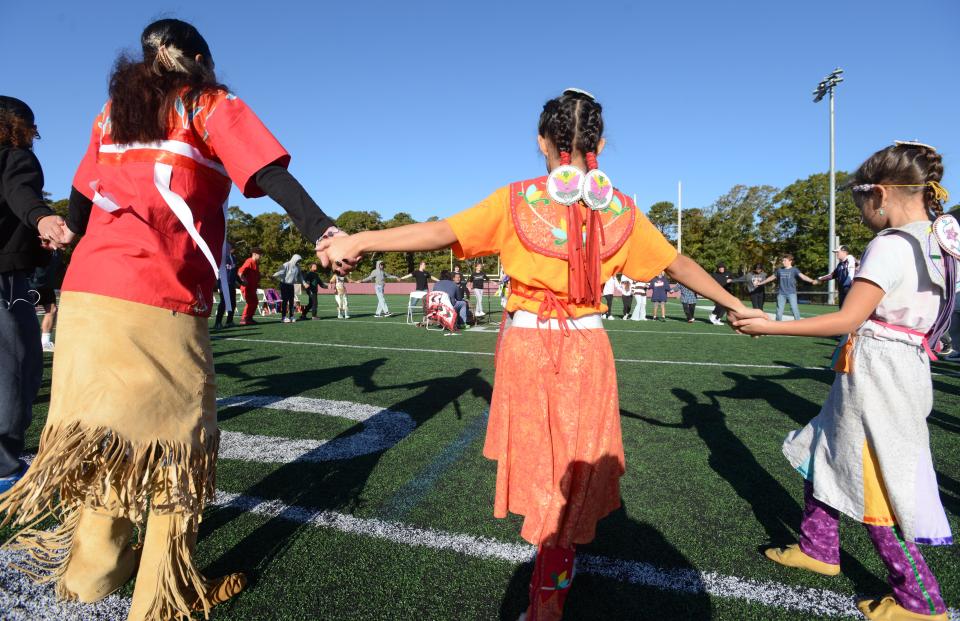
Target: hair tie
{"points": [[591, 161], [564, 158], [940, 193]]}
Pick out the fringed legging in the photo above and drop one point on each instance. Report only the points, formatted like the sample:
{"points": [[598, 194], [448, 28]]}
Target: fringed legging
{"points": [[914, 585], [550, 583]]}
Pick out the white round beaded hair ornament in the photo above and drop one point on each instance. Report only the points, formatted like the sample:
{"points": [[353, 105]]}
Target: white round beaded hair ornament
{"points": [[567, 184]]}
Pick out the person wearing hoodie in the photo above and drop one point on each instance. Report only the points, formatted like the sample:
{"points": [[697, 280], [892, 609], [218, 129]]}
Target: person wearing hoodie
{"points": [[24, 219], [379, 277], [289, 275]]}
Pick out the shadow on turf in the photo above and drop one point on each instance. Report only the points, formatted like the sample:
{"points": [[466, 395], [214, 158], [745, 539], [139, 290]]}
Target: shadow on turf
{"points": [[333, 485], [646, 553], [774, 508]]}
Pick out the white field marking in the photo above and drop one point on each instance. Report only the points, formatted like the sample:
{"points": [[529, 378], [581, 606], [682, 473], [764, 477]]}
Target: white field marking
{"points": [[381, 430], [731, 365], [768, 593], [23, 600]]}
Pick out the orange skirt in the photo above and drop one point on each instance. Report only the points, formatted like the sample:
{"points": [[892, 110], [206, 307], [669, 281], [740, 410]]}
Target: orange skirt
{"points": [[556, 436]]}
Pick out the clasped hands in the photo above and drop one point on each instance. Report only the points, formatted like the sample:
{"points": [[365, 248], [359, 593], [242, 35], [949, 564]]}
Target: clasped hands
{"points": [[54, 232], [339, 251]]}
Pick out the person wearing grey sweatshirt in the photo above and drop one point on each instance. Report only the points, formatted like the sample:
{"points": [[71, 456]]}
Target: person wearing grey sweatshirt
{"points": [[288, 275], [379, 277]]}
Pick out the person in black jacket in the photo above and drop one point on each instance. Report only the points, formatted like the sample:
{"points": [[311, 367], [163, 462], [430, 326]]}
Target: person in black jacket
{"points": [[229, 292], [27, 224], [724, 280]]}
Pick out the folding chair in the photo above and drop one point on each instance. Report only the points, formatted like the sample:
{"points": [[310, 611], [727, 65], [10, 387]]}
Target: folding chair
{"points": [[414, 304], [271, 302], [438, 310]]}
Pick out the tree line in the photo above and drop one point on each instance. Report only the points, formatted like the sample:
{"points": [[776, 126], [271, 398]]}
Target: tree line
{"points": [[745, 226]]}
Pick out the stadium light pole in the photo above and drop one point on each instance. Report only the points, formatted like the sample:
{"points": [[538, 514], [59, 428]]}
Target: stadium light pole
{"points": [[826, 87]]}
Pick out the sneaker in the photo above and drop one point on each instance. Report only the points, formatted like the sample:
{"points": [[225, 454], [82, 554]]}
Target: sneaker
{"points": [[286, 320], [48, 346], [217, 326], [626, 317], [480, 313], [713, 318], [377, 315], [388, 315], [293, 320], [346, 316], [611, 317], [8, 481], [690, 320]]}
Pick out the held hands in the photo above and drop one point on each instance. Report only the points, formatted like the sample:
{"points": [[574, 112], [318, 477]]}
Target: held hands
{"points": [[747, 320], [342, 252], [54, 232]]}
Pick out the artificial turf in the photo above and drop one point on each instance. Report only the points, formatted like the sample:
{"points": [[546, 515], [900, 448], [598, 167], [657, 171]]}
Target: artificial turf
{"points": [[706, 484]]}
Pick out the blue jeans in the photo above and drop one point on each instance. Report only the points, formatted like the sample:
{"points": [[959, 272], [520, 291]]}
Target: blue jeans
{"points": [[460, 307], [781, 301], [21, 366]]}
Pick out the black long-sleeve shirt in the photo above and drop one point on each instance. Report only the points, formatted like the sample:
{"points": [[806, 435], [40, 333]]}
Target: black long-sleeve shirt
{"points": [[275, 180], [21, 208]]}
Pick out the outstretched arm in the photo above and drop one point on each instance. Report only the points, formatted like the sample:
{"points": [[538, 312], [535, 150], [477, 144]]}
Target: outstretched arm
{"points": [[807, 278], [859, 305], [686, 271], [420, 237]]}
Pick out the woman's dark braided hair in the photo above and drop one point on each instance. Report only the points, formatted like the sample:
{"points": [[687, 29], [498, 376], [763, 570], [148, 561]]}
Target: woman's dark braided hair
{"points": [[573, 122], [905, 164]]}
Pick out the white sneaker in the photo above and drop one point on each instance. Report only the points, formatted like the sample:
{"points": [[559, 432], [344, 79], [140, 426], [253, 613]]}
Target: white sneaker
{"points": [[346, 316], [293, 320], [339, 315], [286, 320], [48, 346], [388, 314], [713, 318], [479, 313], [611, 318], [715, 321]]}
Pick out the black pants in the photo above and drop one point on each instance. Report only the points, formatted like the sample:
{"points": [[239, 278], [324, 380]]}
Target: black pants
{"points": [[756, 298], [21, 367], [609, 300], [719, 311], [222, 307], [286, 300], [688, 309], [311, 304], [843, 294], [627, 304]]}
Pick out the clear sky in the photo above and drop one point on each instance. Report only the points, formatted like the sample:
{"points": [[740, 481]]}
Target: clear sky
{"points": [[427, 107]]}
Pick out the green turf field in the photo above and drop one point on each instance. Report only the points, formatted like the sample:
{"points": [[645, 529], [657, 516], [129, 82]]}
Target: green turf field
{"points": [[382, 508]]}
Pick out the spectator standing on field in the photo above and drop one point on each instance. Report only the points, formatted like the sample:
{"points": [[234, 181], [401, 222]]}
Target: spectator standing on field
{"points": [[289, 276], [639, 291], [753, 280], [229, 267], [421, 277], [379, 278], [724, 280], [479, 280], [311, 284], [44, 282], [626, 288], [659, 287], [688, 299], [786, 278], [610, 289], [843, 273], [249, 277]]}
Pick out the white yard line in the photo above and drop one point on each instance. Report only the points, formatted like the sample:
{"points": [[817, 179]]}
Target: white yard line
{"points": [[731, 365], [21, 600]]}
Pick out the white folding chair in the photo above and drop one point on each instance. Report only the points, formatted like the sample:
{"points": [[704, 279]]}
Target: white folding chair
{"points": [[414, 304]]}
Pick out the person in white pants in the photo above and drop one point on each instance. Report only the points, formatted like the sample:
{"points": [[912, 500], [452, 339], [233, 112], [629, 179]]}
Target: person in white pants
{"points": [[339, 284], [639, 291], [479, 280]]}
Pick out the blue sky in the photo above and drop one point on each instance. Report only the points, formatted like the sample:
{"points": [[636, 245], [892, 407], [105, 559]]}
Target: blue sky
{"points": [[427, 107]]}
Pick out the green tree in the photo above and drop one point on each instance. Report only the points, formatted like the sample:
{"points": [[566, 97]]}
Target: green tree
{"points": [[736, 235], [663, 215], [798, 222]]}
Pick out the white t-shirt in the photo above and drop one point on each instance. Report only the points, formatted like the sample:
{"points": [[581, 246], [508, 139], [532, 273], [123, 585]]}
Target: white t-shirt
{"points": [[894, 263], [612, 287]]}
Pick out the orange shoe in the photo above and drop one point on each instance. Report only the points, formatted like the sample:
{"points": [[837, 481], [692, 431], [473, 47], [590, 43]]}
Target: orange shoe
{"points": [[887, 609], [793, 556]]}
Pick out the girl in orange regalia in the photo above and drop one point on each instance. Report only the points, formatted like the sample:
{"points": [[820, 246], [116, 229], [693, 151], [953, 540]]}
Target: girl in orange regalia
{"points": [[555, 417]]}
